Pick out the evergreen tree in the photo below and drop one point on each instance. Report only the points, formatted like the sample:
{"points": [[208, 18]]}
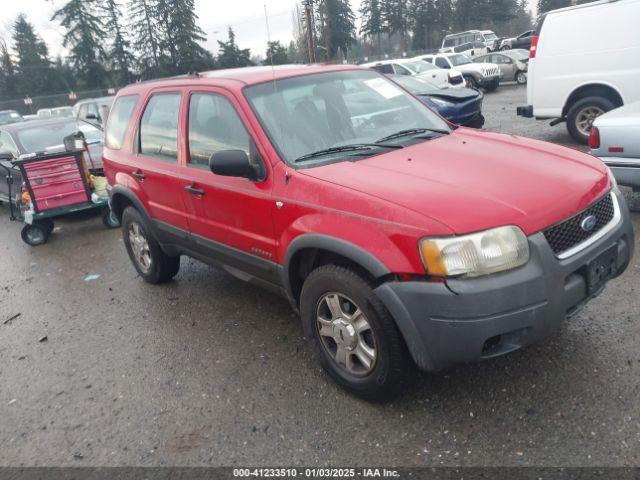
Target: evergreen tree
{"points": [[32, 67], [276, 54], [337, 26], [372, 21], [7, 73], [85, 38], [546, 5], [181, 36], [396, 17], [119, 54], [230, 55], [146, 37]]}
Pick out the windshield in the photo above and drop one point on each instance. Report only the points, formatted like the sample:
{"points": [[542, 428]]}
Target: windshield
{"points": [[9, 117], [457, 60], [62, 112], [311, 113], [419, 66], [490, 36], [50, 137]]}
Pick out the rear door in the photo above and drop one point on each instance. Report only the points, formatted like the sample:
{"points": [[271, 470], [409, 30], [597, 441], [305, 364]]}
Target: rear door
{"points": [[158, 168], [230, 218]]}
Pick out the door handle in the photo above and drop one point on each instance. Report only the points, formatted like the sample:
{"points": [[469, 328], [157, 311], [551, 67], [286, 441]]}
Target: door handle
{"points": [[194, 191], [139, 175]]}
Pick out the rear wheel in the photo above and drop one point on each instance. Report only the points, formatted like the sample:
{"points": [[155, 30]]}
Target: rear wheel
{"points": [[36, 234], [521, 77], [352, 334], [582, 114], [153, 265], [110, 219]]}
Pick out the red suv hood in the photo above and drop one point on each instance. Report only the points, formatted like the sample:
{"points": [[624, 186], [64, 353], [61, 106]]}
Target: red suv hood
{"points": [[473, 180]]}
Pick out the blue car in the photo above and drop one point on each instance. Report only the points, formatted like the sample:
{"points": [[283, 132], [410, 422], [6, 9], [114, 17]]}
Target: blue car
{"points": [[462, 106]]}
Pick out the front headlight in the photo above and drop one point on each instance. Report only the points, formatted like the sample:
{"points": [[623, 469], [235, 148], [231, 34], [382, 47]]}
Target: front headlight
{"points": [[481, 253], [439, 102]]}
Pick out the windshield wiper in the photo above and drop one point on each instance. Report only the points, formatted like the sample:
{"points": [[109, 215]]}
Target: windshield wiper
{"points": [[345, 148], [412, 131]]}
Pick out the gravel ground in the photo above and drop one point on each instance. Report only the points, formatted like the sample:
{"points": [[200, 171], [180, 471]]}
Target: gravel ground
{"points": [[209, 370]]}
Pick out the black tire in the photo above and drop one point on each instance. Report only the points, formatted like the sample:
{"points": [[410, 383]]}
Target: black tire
{"points": [[36, 234], [581, 135], [521, 77], [477, 122], [389, 371], [491, 87], [48, 223], [162, 267], [471, 82], [109, 218]]}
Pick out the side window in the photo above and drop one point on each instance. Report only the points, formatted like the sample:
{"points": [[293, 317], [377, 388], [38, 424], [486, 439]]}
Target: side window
{"points": [[449, 42], [119, 120], [92, 109], [400, 70], [385, 68], [159, 127], [82, 112], [7, 144], [214, 125], [442, 63]]}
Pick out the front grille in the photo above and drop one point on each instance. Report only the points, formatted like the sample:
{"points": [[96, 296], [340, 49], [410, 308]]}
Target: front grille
{"points": [[569, 233]]}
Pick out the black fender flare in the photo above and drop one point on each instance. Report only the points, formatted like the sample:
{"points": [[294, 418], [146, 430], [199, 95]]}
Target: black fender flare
{"points": [[119, 190], [332, 244]]}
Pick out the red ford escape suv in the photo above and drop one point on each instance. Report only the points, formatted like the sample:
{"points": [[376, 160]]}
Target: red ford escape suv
{"points": [[398, 237]]}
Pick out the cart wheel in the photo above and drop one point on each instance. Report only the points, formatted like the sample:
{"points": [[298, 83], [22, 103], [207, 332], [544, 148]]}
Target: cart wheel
{"points": [[109, 218], [36, 234]]}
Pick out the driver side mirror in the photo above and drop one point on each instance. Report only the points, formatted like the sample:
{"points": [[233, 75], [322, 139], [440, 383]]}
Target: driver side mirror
{"points": [[236, 163]]}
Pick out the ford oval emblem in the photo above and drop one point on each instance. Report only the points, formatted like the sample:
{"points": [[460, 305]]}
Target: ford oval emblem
{"points": [[589, 223]]}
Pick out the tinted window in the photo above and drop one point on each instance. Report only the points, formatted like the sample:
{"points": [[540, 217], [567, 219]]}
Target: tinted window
{"points": [[386, 68], [159, 127], [119, 119], [449, 42], [400, 70], [214, 125], [442, 63]]}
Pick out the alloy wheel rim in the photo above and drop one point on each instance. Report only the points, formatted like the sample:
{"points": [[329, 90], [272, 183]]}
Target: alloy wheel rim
{"points": [[586, 117], [139, 247], [345, 334]]}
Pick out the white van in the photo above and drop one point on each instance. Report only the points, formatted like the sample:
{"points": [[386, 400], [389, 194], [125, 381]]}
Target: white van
{"points": [[585, 61], [471, 42]]}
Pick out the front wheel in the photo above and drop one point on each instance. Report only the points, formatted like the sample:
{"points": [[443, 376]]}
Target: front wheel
{"points": [[352, 334], [582, 114], [521, 77], [153, 265], [36, 234], [505, 47], [471, 82]]}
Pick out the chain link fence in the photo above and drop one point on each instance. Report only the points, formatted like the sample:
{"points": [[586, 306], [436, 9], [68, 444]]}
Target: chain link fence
{"points": [[51, 101]]}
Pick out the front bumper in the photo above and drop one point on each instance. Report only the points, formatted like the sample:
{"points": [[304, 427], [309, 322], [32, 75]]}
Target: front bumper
{"points": [[467, 320], [488, 81]]}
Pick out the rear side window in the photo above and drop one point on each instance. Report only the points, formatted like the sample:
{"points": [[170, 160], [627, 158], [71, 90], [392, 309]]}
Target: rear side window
{"points": [[159, 127], [119, 119], [214, 125], [384, 68], [442, 63]]}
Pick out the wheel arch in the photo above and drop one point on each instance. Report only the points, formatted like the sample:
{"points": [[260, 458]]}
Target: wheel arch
{"points": [[598, 89], [121, 197], [308, 251]]}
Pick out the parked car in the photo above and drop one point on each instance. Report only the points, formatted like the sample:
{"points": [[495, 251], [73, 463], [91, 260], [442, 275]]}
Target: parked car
{"points": [[486, 75], [10, 116], [521, 41], [512, 64], [487, 37], [397, 237], [572, 77], [54, 112], [26, 118], [615, 139], [90, 109], [419, 68], [462, 106], [47, 135]]}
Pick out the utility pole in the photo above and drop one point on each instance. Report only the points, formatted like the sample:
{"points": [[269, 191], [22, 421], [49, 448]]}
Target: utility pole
{"points": [[308, 12]]}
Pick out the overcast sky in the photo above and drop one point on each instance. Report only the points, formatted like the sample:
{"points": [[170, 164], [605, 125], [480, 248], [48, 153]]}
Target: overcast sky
{"points": [[245, 16]]}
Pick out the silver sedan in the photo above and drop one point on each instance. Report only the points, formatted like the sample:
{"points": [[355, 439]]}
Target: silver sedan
{"points": [[615, 139]]}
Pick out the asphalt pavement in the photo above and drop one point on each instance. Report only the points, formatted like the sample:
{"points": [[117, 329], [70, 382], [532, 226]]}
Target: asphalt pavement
{"points": [[100, 368]]}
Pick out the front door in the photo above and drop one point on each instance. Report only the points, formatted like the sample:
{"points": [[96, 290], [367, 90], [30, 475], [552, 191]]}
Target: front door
{"points": [[230, 218]]}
